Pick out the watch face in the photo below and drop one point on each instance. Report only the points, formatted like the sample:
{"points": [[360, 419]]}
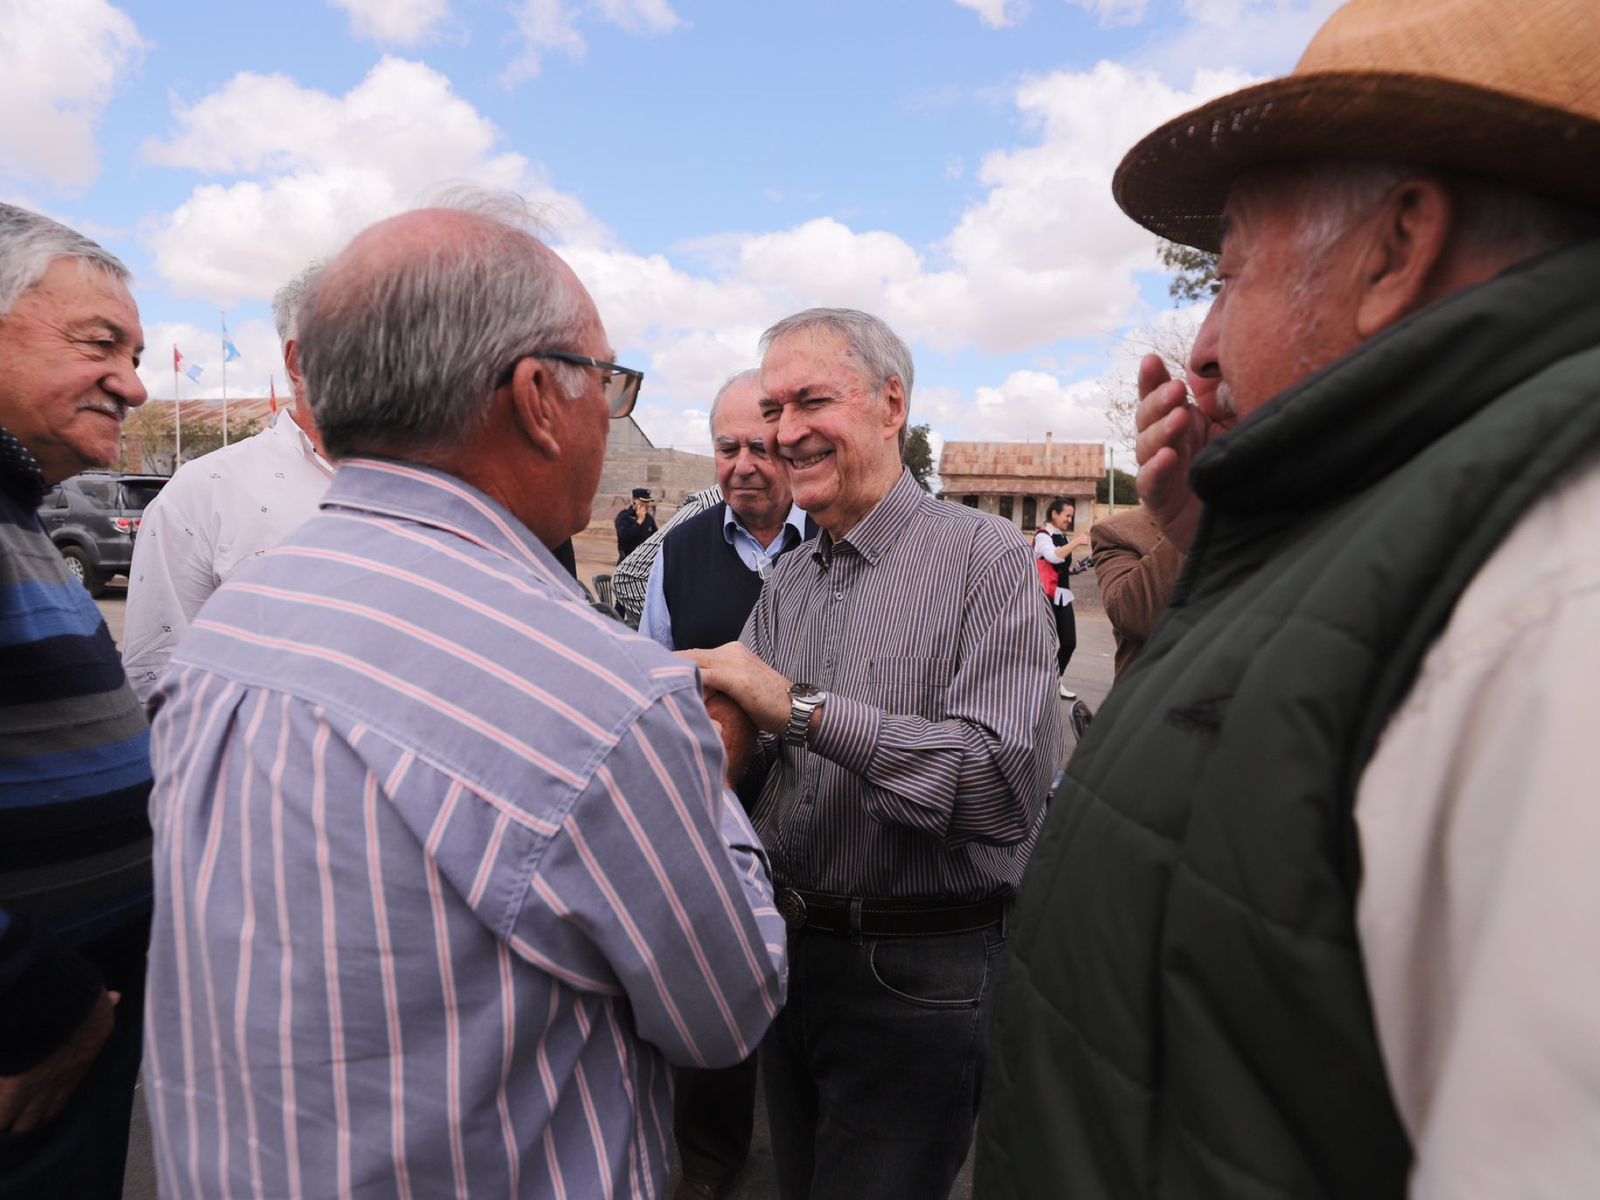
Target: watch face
{"points": [[803, 691]]}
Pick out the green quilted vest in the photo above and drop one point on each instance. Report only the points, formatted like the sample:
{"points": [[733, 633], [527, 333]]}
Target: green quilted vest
{"points": [[1185, 1012]]}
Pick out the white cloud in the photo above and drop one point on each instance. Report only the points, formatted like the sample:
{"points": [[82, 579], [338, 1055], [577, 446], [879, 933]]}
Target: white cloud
{"points": [[1261, 36], [639, 16], [321, 169], [1029, 404], [552, 25], [63, 60], [1042, 257], [1114, 12], [396, 22], [997, 14], [260, 360]]}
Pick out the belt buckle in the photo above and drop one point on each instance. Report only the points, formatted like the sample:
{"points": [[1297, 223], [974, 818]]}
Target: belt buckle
{"points": [[791, 908]]}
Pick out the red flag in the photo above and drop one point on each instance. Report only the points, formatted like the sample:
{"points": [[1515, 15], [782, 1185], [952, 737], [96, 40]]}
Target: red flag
{"points": [[272, 388]]}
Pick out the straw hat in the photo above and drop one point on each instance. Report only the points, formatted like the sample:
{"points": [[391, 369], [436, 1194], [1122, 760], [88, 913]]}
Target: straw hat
{"points": [[1506, 88]]}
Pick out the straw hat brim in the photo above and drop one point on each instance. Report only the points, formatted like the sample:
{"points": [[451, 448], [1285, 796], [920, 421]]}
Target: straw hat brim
{"points": [[1176, 180]]}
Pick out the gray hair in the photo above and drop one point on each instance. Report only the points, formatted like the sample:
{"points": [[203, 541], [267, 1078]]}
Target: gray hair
{"points": [[1492, 217], [29, 243], [876, 348], [716, 401], [286, 301], [405, 356]]}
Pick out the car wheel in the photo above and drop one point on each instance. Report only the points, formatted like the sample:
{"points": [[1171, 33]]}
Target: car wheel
{"points": [[83, 571]]}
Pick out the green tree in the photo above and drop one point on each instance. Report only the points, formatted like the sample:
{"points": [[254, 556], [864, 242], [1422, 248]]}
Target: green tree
{"points": [[148, 437], [1127, 488], [917, 454], [1194, 272]]}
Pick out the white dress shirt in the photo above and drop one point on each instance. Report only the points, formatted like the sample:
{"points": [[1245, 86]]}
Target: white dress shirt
{"points": [[1479, 908], [218, 511], [656, 620]]}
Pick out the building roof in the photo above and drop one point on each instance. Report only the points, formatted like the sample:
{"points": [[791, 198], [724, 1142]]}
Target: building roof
{"points": [[1044, 462]]}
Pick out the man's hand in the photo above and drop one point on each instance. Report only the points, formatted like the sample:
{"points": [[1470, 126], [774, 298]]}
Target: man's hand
{"points": [[747, 681], [738, 734], [35, 1097], [1171, 432]]}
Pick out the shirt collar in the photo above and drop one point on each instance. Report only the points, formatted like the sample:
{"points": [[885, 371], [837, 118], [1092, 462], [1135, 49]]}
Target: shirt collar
{"points": [[285, 426], [796, 520], [385, 488], [880, 528], [20, 472]]}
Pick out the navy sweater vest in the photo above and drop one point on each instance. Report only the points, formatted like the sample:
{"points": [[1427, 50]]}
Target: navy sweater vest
{"points": [[709, 590]]}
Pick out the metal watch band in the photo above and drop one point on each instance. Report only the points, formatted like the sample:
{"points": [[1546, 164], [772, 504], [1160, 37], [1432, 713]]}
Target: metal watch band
{"points": [[803, 701]]}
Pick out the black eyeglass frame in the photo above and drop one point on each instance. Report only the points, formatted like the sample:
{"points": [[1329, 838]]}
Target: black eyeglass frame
{"points": [[625, 399]]}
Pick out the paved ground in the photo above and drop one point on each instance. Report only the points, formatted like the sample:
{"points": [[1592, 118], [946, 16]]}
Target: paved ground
{"points": [[1089, 674]]}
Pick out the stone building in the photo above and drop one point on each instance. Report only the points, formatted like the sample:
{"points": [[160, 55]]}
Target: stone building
{"points": [[632, 460], [1017, 480]]}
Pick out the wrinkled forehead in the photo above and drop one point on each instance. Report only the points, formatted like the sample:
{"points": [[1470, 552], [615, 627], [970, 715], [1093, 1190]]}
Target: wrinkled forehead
{"points": [[811, 360]]}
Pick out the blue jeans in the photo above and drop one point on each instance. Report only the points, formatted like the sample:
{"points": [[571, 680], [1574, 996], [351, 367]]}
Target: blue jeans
{"points": [[874, 1069]]}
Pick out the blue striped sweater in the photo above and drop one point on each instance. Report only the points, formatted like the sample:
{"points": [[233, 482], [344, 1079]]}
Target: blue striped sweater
{"points": [[74, 784]]}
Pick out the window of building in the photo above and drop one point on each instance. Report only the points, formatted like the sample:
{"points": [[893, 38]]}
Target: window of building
{"points": [[970, 501], [1030, 512], [1005, 507]]}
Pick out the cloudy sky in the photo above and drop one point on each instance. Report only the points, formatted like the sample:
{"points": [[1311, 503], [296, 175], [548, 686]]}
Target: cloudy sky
{"points": [[707, 166]]}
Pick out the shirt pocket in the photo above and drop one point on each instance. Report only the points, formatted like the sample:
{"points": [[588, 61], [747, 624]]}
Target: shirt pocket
{"points": [[911, 684]]}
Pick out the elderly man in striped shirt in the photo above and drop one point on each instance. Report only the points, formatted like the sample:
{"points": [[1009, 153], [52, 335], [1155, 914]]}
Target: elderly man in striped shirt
{"points": [[902, 668], [446, 870]]}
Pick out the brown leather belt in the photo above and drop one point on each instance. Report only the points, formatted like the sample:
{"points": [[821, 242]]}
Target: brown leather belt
{"points": [[860, 917]]}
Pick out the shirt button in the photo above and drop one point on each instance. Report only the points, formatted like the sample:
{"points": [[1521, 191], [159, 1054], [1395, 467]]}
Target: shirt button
{"points": [[838, 595]]}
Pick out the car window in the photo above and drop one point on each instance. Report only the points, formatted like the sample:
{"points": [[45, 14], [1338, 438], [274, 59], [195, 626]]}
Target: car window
{"points": [[102, 493], [56, 497], [136, 496]]}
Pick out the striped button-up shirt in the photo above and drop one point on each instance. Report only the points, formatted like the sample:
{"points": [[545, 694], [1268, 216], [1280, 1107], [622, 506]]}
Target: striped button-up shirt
{"points": [[927, 776], [445, 871]]}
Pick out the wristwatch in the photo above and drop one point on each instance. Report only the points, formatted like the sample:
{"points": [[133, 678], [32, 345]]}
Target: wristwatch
{"points": [[803, 701]]}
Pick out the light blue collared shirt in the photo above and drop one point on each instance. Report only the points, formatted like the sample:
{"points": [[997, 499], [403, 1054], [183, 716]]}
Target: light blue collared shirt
{"points": [[656, 621]]}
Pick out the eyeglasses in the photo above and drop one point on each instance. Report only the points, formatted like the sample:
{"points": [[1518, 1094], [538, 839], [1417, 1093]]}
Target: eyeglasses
{"points": [[621, 384]]}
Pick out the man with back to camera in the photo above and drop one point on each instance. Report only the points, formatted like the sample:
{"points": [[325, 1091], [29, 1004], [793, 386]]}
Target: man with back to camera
{"points": [[1311, 915], [221, 510], [448, 875], [74, 749], [902, 672], [703, 584]]}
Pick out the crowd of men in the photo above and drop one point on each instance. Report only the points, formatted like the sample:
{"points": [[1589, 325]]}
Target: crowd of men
{"points": [[426, 878]]}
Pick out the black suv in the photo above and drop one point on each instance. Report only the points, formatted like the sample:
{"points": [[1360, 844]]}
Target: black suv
{"points": [[92, 519]]}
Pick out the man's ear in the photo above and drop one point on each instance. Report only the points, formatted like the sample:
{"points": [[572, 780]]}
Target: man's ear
{"points": [[537, 406], [291, 364], [894, 401], [1409, 239]]}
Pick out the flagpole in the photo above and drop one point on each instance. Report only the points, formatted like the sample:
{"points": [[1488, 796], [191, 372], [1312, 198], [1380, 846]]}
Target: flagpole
{"points": [[224, 379], [177, 412]]}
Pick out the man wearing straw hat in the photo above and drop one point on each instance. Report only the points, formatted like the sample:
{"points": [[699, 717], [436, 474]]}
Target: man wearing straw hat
{"points": [[1314, 912]]}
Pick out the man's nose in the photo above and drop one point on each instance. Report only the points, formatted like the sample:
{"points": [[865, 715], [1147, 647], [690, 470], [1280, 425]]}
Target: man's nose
{"points": [[792, 427], [1204, 367], [124, 383]]}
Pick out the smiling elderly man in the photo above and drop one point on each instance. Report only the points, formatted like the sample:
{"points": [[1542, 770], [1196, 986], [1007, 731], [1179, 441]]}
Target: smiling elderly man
{"points": [[702, 586], [908, 665], [74, 751], [1315, 912]]}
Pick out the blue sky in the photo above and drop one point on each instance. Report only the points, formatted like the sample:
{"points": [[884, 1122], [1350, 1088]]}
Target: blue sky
{"points": [[706, 165]]}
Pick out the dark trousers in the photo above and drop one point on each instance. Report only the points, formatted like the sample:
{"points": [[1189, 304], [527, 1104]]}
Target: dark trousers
{"points": [[1066, 635], [713, 1112], [83, 1152], [874, 1068]]}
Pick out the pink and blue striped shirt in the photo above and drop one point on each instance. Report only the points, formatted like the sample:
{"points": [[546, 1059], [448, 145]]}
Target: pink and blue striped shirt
{"points": [[445, 871]]}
